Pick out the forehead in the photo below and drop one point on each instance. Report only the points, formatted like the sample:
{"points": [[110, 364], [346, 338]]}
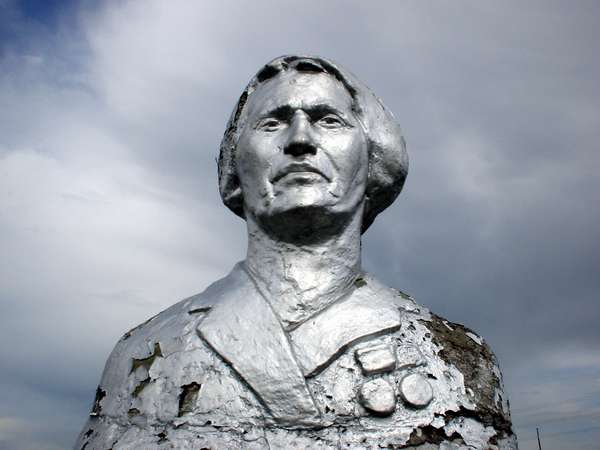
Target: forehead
{"points": [[299, 90]]}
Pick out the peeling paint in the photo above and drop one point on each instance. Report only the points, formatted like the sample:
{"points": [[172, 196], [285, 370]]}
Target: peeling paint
{"points": [[162, 437], [188, 397], [97, 408], [360, 282], [476, 338], [133, 330], [164, 392], [472, 432], [199, 310], [140, 387], [147, 362], [298, 347], [445, 322]]}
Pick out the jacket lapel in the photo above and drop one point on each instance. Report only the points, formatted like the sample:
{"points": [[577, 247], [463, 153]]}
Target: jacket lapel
{"points": [[243, 329], [370, 310]]}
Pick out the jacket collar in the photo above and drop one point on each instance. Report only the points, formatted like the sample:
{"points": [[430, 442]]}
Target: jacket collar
{"points": [[244, 330], [363, 314]]}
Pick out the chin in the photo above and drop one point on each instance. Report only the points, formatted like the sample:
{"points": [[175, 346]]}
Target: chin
{"points": [[302, 221], [304, 201]]}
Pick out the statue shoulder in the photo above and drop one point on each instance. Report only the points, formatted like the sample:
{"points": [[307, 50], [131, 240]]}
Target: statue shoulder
{"points": [[456, 345], [376, 289], [466, 350], [138, 350], [168, 332], [451, 345], [156, 369]]}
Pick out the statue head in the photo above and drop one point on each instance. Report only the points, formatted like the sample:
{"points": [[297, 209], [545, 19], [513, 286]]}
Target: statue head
{"points": [[306, 135]]}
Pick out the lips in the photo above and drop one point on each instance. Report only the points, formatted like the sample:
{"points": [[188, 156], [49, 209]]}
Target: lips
{"points": [[297, 168]]}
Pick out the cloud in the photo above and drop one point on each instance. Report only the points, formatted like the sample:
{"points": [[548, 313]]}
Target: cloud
{"points": [[109, 209]]}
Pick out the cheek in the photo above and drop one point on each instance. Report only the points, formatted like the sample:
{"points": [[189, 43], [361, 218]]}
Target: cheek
{"points": [[362, 157], [355, 160], [253, 164]]}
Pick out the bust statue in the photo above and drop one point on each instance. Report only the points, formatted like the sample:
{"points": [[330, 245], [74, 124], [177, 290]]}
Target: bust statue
{"points": [[298, 347]]}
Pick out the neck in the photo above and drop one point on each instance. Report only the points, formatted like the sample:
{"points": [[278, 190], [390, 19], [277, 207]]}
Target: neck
{"points": [[300, 280]]}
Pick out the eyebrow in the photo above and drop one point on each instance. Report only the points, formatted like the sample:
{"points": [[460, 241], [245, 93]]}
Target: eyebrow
{"points": [[286, 111]]}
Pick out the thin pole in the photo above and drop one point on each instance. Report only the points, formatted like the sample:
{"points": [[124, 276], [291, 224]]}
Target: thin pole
{"points": [[537, 430]]}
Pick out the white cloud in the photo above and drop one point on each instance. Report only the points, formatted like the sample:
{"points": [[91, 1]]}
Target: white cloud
{"points": [[109, 209], [149, 58]]}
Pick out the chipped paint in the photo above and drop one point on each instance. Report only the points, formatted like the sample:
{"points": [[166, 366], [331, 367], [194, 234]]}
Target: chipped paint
{"points": [[445, 322], [298, 347], [183, 388], [476, 338], [472, 432]]}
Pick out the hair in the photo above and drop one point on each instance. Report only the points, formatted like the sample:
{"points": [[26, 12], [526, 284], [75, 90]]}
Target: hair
{"points": [[388, 159]]}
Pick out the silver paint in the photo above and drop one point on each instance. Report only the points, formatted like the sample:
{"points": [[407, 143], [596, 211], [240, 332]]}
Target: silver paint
{"points": [[416, 390], [375, 359], [378, 396], [410, 356], [298, 347]]}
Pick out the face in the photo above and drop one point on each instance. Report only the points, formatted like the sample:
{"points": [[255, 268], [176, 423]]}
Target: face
{"points": [[301, 148]]}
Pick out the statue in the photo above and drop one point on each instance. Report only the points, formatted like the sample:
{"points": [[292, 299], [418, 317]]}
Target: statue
{"points": [[298, 347]]}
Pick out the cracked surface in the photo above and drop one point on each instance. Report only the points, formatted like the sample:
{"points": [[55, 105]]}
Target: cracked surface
{"points": [[297, 347], [192, 398]]}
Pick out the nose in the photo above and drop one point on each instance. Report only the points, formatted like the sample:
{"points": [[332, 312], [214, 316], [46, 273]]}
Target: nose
{"points": [[300, 140]]}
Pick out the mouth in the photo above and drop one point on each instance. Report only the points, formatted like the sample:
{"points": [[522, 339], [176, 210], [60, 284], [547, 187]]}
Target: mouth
{"points": [[299, 168]]}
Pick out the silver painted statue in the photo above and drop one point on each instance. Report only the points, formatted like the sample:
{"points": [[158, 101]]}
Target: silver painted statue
{"points": [[298, 347]]}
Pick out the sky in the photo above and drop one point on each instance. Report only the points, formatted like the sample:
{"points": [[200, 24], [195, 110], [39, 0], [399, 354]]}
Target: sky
{"points": [[111, 114]]}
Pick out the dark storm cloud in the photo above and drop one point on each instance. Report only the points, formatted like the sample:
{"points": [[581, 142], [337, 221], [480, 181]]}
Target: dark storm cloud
{"points": [[110, 210]]}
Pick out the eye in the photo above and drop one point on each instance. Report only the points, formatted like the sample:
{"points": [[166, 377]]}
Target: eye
{"points": [[269, 124], [331, 121]]}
